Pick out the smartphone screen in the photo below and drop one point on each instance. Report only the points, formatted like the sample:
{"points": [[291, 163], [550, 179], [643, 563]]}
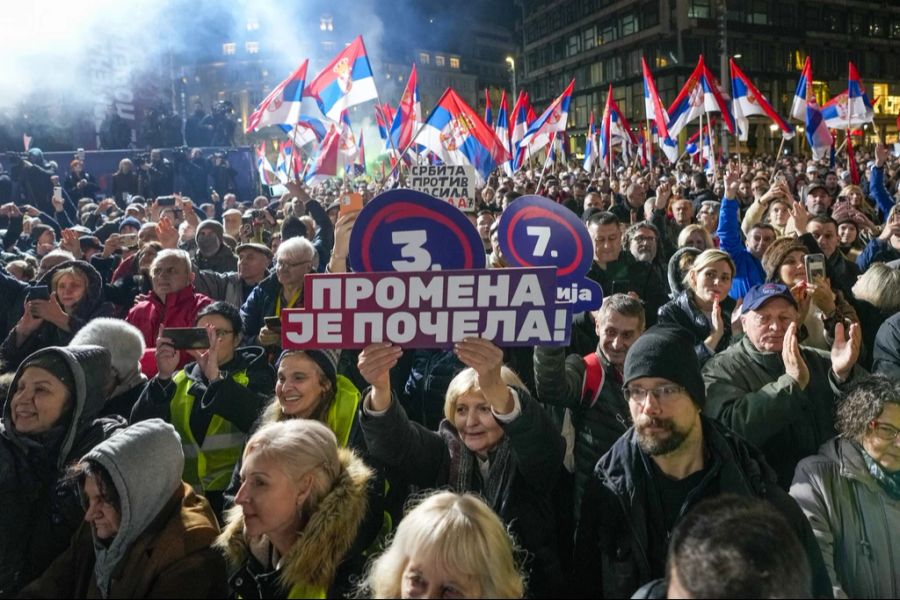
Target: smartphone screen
{"points": [[274, 323], [187, 338], [57, 193], [815, 267]]}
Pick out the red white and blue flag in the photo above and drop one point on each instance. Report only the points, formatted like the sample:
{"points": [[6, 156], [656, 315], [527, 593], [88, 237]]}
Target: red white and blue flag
{"points": [[359, 166], [860, 108], [282, 105], [305, 131], [552, 120], [457, 135], [267, 174], [488, 115], [747, 101], [590, 145], [656, 113], [502, 131], [408, 117], [384, 117], [817, 134], [337, 152], [700, 95], [804, 92], [345, 82], [520, 126]]}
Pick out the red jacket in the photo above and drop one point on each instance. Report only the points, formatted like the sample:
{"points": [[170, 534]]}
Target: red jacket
{"points": [[149, 313]]}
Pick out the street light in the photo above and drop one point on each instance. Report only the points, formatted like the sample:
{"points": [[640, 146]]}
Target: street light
{"points": [[512, 66]]}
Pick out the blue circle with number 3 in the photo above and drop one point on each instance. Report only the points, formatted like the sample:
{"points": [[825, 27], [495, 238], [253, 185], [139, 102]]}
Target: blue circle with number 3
{"points": [[405, 230]]}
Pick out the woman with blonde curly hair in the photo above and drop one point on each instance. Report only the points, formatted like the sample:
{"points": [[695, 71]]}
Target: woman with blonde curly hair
{"points": [[450, 545]]}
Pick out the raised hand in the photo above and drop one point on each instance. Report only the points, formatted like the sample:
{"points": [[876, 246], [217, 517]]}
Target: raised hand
{"points": [[794, 365], [845, 350], [167, 357], [717, 324], [487, 360], [167, 233], [881, 155], [732, 184], [375, 364]]}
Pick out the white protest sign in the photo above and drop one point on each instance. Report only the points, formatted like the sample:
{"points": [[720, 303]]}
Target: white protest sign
{"points": [[452, 183]]}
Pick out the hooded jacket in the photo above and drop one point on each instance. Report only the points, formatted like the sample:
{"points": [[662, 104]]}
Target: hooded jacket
{"points": [[223, 260], [315, 565], [673, 273], [178, 310], [92, 305], [683, 312], [39, 510], [164, 544], [615, 534], [854, 521]]}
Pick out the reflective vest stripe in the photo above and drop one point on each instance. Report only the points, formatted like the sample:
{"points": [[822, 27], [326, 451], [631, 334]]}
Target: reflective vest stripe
{"points": [[341, 415], [207, 467]]}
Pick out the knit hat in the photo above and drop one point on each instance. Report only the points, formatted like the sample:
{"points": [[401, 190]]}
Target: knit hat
{"points": [[54, 364], [776, 254], [667, 352], [326, 359], [211, 224], [129, 222]]}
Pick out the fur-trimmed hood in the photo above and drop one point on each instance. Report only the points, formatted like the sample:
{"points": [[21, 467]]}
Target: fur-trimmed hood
{"points": [[329, 534]]}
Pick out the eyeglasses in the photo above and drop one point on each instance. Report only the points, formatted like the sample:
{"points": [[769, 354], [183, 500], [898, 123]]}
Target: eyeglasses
{"points": [[662, 393], [282, 264], [884, 432], [645, 239]]}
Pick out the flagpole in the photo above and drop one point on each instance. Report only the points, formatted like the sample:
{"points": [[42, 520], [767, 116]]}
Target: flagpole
{"points": [[777, 155], [408, 146]]}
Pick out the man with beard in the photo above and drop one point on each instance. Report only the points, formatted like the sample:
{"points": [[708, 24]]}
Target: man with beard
{"points": [[643, 244], [671, 459]]}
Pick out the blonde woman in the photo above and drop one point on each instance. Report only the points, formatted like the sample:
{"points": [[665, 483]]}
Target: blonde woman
{"points": [[695, 236], [876, 297], [297, 513], [449, 546], [704, 308]]}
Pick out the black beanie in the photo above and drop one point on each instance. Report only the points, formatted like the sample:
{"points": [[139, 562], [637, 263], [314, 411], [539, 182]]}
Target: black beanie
{"points": [[667, 352]]}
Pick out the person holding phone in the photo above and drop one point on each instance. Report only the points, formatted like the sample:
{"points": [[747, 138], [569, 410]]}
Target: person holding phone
{"points": [[65, 298], [212, 402]]}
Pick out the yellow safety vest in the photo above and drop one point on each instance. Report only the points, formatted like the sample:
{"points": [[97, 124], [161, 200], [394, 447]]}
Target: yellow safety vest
{"points": [[342, 413], [208, 467]]}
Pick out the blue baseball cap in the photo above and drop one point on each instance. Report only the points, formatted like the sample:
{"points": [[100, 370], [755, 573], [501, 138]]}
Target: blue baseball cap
{"points": [[760, 294]]}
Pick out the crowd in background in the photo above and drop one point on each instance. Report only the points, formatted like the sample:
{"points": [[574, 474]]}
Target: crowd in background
{"points": [[726, 424]]}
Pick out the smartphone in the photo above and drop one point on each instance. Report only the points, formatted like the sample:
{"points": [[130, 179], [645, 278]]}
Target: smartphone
{"points": [[38, 292], [57, 193], [351, 202], [274, 324], [166, 201], [187, 338], [815, 267], [128, 240]]}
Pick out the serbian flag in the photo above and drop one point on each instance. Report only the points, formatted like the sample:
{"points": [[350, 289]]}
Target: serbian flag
{"points": [[282, 105], [851, 162], [267, 174], [284, 162], [332, 159], [305, 131], [345, 82], [656, 113], [408, 117], [605, 136], [700, 95], [590, 145], [502, 131], [384, 117], [861, 110], [359, 166], [552, 120], [488, 115], [456, 135], [747, 101], [803, 93], [817, 133], [520, 126]]}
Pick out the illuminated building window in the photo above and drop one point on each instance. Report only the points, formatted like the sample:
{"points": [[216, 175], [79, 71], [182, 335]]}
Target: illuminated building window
{"points": [[700, 9], [439, 61], [424, 58], [229, 48], [326, 23], [252, 47], [454, 63]]}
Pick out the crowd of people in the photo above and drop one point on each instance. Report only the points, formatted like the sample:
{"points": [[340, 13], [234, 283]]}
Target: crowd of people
{"points": [[726, 424]]}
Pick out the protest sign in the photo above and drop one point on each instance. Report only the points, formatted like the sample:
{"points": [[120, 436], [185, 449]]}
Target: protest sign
{"points": [[429, 309], [455, 184], [405, 230], [536, 232]]}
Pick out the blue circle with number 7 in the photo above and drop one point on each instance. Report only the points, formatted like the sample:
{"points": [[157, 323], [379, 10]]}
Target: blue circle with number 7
{"points": [[405, 230]]}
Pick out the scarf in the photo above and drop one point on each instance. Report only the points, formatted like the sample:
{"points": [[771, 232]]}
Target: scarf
{"points": [[889, 482], [464, 466]]}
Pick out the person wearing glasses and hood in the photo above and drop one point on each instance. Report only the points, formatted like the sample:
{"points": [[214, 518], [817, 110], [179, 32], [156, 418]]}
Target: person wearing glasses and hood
{"points": [[145, 533], [212, 402], [49, 422], [283, 289], [850, 491]]}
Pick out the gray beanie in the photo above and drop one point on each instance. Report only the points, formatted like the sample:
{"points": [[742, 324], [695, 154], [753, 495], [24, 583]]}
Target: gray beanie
{"points": [[211, 224], [123, 340]]}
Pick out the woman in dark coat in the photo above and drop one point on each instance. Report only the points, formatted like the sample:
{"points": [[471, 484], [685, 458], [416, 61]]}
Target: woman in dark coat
{"points": [[495, 440]]}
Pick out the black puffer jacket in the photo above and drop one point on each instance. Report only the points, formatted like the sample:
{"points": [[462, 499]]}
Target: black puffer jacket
{"points": [[683, 312], [92, 305], [612, 546], [39, 511]]}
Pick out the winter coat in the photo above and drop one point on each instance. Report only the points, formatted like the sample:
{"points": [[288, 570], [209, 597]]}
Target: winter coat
{"points": [[748, 269], [423, 395], [877, 250], [12, 301], [316, 565], [560, 382], [430, 460], [673, 272], [842, 273], [615, 538], [854, 520], [179, 310], [683, 312], [886, 353], [39, 509], [223, 261], [173, 558], [92, 305], [227, 287], [870, 321], [629, 275], [750, 392], [259, 305], [124, 183]]}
